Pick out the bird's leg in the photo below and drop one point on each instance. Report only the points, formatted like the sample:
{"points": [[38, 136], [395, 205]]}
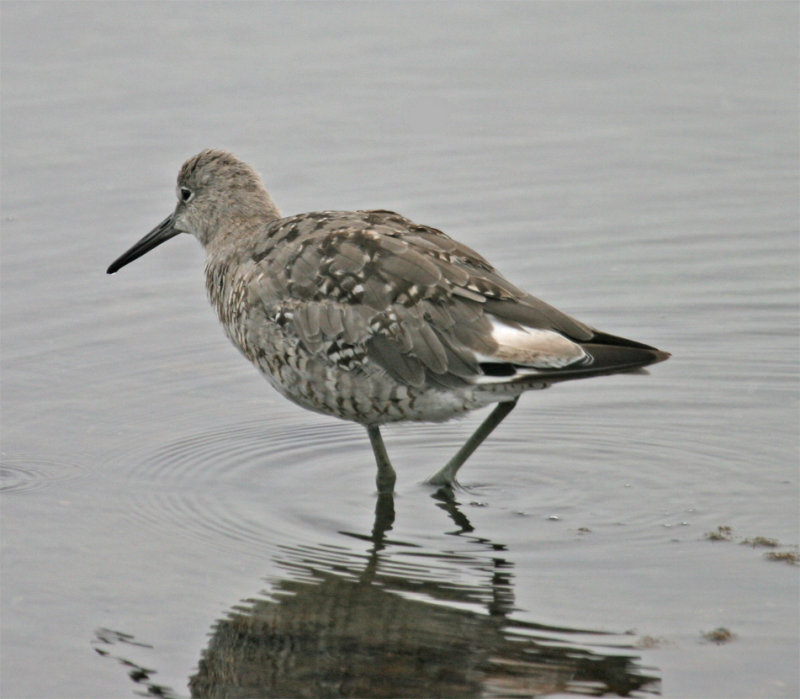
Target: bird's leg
{"points": [[447, 474], [386, 475]]}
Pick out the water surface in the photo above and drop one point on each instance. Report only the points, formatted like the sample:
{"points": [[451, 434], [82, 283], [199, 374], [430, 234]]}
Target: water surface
{"points": [[172, 525]]}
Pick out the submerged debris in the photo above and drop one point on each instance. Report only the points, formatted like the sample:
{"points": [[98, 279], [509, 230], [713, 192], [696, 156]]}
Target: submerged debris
{"points": [[725, 533], [722, 533], [790, 557], [719, 635], [761, 542]]}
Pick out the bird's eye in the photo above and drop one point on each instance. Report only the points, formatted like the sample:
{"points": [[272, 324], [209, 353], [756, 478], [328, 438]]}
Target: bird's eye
{"points": [[185, 194]]}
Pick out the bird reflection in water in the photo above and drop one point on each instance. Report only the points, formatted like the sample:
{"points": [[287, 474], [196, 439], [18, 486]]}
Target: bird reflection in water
{"points": [[347, 624], [341, 625]]}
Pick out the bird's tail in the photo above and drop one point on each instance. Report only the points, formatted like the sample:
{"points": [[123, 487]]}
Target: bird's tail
{"points": [[605, 354]]}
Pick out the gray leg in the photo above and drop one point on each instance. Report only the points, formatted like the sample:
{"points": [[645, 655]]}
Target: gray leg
{"points": [[386, 475], [447, 474]]}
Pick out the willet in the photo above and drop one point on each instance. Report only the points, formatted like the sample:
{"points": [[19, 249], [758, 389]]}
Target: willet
{"points": [[370, 317]]}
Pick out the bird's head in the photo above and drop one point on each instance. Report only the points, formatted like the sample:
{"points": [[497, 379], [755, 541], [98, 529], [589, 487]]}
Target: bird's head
{"points": [[218, 194]]}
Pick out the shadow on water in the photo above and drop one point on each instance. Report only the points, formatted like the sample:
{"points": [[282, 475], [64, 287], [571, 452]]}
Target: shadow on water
{"points": [[342, 623]]}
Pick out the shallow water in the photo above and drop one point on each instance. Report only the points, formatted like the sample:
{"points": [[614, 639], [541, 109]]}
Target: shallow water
{"points": [[172, 525]]}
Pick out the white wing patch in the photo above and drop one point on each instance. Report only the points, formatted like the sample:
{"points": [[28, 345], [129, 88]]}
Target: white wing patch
{"points": [[531, 349]]}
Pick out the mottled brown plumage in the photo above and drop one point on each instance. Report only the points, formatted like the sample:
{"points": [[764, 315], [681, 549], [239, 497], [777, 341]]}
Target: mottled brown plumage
{"points": [[370, 317]]}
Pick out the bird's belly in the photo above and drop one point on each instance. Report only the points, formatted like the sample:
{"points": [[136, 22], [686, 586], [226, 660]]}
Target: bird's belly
{"points": [[364, 393], [369, 398]]}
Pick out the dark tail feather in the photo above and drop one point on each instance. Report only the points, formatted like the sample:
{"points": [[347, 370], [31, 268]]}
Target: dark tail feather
{"points": [[609, 355]]}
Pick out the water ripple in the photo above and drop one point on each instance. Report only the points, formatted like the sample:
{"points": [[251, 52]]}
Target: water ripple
{"points": [[17, 475], [226, 485]]}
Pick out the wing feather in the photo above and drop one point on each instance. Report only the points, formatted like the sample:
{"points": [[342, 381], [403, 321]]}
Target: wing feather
{"points": [[419, 305]]}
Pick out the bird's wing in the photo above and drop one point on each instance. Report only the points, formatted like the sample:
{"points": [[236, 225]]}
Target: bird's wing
{"points": [[373, 285]]}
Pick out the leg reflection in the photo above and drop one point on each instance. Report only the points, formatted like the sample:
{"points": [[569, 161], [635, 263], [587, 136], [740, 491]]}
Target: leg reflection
{"points": [[390, 616]]}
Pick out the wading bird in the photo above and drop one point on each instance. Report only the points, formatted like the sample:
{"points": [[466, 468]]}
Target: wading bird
{"points": [[370, 317]]}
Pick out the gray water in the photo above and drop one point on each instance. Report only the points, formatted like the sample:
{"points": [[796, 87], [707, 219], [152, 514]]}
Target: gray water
{"points": [[171, 525]]}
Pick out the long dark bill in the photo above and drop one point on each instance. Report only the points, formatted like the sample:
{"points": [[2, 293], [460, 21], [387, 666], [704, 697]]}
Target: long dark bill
{"points": [[160, 234]]}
